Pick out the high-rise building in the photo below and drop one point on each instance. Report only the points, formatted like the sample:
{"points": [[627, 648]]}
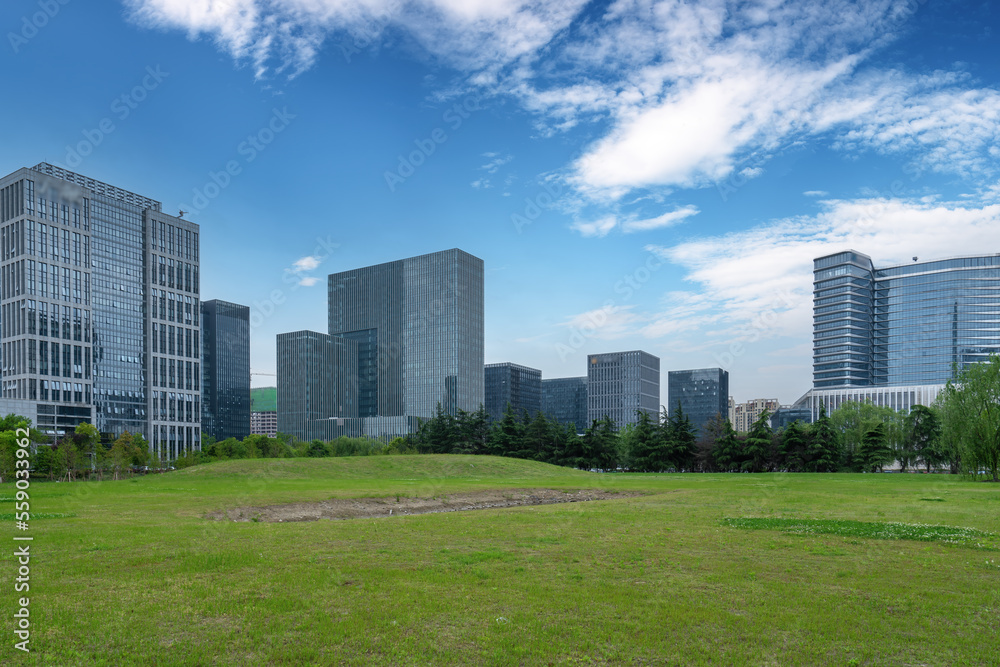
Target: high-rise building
{"points": [[264, 411], [418, 327], [893, 335], [225, 393], [701, 392], [565, 400], [316, 381], [519, 386], [743, 415], [100, 309], [264, 423], [619, 384]]}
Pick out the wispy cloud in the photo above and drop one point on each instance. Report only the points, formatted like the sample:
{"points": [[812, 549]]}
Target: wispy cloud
{"points": [[307, 263]]}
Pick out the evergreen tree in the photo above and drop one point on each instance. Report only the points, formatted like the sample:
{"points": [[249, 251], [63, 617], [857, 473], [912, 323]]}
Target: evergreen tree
{"points": [[505, 435], [875, 452], [600, 445], [923, 436], [648, 446], [681, 439], [794, 447], [757, 448], [727, 453], [824, 453]]}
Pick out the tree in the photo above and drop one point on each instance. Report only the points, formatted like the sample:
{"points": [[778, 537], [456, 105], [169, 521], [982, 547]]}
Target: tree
{"points": [[121, 454], [923, 436], [648, 446], [875, 451], [853, 420], [824, 451], [600, 445], [794, 447], [505, 435], [680, 439], [727, 453], [757, 448], [970, 417]]}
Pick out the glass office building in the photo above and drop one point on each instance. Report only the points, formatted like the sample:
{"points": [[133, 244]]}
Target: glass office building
{"points": [[565, 401], [902, 327], [619, 384], [225, 404], [418, 327], [316, 381], [701, 392], [513, 384], [99, 299]]}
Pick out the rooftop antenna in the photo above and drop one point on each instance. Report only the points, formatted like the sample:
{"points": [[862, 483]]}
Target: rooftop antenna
{"points": [[181, 215], [914, 259]]}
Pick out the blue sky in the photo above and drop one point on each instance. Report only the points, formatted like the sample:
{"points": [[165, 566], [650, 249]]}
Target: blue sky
{"points": [[635, 174]]}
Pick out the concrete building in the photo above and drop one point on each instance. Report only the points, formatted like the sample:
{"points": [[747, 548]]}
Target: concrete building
{"points": [[519, 386], [702, 394], [99, 304], [893, 335], [619, 384], [264, 423], [225, 336], [743, 415], [565, 400]]}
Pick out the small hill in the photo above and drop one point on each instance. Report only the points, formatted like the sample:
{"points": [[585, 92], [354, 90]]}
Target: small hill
{"points": [[423, 466]]}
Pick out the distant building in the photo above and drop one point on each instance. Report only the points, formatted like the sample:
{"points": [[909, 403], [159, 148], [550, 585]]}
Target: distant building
{"points": [[893, 335], [517, 385], [316, 381], [417, 324], [565, 400], [264, 423], [619, 384], [225, 369], [743, 415], [702, 394]]}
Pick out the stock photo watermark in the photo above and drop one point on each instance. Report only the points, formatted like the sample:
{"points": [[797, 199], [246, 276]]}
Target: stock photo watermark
{"points": [[31, 25], [535, 206], [122, 107], [757, 326], [22, 517], [454, 117], [248, 149]]}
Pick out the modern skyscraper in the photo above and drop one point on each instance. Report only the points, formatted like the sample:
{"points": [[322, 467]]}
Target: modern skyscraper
{"points": [[517, 385], [893, 335], [621, 383], [225, 394], [702, 393], [316, 381], [418, 327], [100, 308], [565, 400]]}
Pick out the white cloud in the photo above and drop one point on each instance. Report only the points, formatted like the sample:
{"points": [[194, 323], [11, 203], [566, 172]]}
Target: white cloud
{"points": [[666, 220], [816, 193], [286, 35], [597, 228], [307, 263], [308, 281]]}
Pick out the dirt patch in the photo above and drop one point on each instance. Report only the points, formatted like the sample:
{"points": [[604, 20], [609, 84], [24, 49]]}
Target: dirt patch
{"points": [[359, 508]]}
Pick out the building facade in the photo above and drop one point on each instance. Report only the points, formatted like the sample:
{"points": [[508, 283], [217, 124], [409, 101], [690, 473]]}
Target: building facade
{"points": [[743, 415], [417, 324], [99, 307], [225, 366], [513, 384], [316, 381], [621, 383], [565, 401], [895, 334], [702, 393], [264, 423]]}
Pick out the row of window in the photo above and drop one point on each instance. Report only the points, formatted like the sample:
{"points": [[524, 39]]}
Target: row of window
{"points": [[175, 373], [172, 307], [167, 272], [168, 339], [174, 240]]}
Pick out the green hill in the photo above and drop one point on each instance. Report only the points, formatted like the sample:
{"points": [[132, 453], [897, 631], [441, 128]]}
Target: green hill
{"points": [[264, 399]]}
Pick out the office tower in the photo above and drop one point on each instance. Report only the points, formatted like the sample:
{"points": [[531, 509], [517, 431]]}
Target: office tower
{"points": [[893, 335], [264, 411], [417, 324], [743, 415], [225, 393], [565, 400], [621, 383], [316, 381], [702, 394], [517, 385], [100, 309]]}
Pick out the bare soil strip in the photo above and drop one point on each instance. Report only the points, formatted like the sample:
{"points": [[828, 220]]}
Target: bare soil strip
{"points": [[359, 508]]}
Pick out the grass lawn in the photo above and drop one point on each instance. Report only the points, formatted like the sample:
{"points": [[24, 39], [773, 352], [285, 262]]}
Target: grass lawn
{"points": [[131, 573]]}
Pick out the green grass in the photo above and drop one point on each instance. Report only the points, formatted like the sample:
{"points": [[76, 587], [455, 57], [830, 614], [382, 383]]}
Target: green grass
{"points": [[921, 532], [139, 577]]}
